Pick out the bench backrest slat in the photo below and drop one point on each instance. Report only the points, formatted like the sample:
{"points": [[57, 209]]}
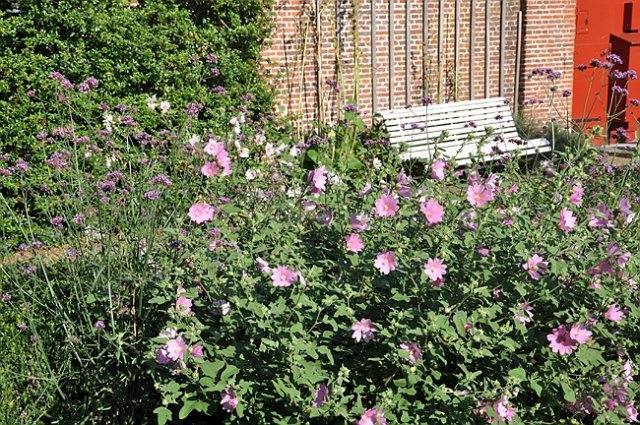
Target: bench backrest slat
{"points": [[460, 129]]}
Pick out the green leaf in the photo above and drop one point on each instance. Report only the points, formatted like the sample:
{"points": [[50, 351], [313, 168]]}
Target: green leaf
{"points": [[327, 352], [157, 300], [569, 394], [211, 369], [519, 374], [354, 163], [91, 299], [297, 328], [312, 154], [230, 371], [535, 386], [207, 382], [187, 408], [400, 297], [558, 267], [163, 415], [590, 356], [230, 209], [459, 319]]}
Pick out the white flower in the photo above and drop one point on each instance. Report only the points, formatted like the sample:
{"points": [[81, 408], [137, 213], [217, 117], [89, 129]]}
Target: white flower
{"points": [[250, 174], [294, 192], [269, 150], [164, 106], [194, 140], [333, 178], [377, 164], [235, 122], [260, 138], [107, 119], [152, 102], [244, 153], [294, 151], [110, 160]]}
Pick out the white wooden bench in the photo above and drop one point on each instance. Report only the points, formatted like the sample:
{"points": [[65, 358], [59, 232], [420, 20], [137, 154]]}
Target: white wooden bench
{"points": [[483, 129]]}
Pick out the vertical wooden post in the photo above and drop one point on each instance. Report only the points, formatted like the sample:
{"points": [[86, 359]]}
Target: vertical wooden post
{"points": [[338, 56], [487, 46], [516, 89], [425, 46], [391, 55], [456, 37], [472, 50], [440, 47], [374, 60], [407, 53], [319, 76], [503, 21]]}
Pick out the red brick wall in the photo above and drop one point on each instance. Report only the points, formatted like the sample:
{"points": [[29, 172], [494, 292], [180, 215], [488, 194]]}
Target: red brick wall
{"points": [[302, 55]]}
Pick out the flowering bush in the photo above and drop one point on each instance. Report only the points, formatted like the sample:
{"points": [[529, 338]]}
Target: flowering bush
{"points": [[235, 275], [165, 53]]}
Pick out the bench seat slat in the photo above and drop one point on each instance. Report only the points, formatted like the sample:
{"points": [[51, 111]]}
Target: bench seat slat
{"points": [[465, 154], [479, 123]]}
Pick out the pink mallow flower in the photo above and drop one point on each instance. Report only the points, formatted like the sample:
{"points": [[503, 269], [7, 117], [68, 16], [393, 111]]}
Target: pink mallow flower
{"points": [[614, 314], [358, 222], [363, 330], [365, 190], [479, 195], [218, 150], [567, 220], [580, 333], [354, 243], [183, 306], [435, 269], [437, 169], [213, 147], [385, 262], [284, 276], [524, 314], [228, 400], [506, 412], [210, 169], [433, 211], [201, 212], [564, 341], [176, 348], [534, 266], [625, 209], [196, 351], [162, 356], [262, 265], [372, 417], [560, 341], [317, 179], [386, 206], [576, 195], [320, 396], [414, 352]]}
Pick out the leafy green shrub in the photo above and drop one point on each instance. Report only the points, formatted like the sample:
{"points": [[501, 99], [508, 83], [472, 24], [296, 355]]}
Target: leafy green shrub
{"points": [[205, 274], [168, 49]]}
